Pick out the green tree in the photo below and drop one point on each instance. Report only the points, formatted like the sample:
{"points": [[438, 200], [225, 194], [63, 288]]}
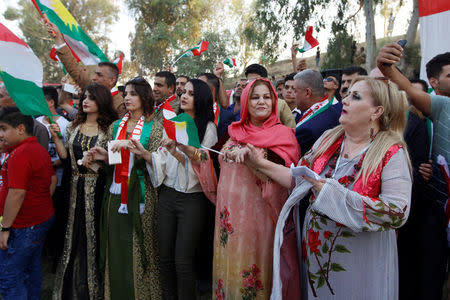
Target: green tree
{"points": [[93, 16], [165, 28]]}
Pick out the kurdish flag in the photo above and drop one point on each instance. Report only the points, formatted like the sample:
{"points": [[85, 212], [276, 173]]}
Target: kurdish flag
{"points": [[181, 128], [78, 41], [310, 41], [22, 73], [231, 62], [196, 51]]}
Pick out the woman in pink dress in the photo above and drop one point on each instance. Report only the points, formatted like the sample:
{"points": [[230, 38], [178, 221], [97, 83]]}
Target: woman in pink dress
{"points": [[248, 203]]}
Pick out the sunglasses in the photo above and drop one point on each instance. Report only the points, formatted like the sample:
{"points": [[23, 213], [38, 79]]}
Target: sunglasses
{"points": [[329, 79]]}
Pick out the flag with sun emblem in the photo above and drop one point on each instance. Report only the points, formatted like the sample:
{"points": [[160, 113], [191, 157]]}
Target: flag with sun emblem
{"points": [[80, 43]]}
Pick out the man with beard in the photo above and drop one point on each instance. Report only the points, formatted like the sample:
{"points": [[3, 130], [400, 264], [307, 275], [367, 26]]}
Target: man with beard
{"points": [[180, 83], [347, 76]]}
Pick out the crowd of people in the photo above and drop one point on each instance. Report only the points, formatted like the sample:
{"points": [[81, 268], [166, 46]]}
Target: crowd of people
{"points": [[323, 184]]}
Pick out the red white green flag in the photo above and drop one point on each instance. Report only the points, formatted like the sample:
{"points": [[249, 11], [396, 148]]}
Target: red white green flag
{"points": [[22, 73], [310, 41], [79, 42], [180, 128], [231, 62], [195, 51], [119, 61]]}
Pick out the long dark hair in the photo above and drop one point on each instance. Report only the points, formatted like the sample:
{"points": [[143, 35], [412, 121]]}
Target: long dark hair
{"points": [[203, 105], [145, 92], [102, 97]]}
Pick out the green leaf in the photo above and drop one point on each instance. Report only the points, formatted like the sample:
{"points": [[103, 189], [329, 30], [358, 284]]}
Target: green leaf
{"points": [[321, 282], [316, 225], [312, 276], [379, 204], [365, 229], [347, 234], [392, 205], [325, 248], [323, 220], [341, 249], [379, 215], [335, 267]]}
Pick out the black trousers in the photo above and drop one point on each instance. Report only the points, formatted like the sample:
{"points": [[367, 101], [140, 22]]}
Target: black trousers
{"points": [[181, 217]]}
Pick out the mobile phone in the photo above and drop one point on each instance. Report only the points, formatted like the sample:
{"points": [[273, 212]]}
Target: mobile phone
{"points": [[402, 44]]}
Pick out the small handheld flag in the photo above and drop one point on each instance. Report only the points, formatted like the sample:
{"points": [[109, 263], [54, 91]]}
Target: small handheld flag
{"points": [[55, 57], [310, 41], [22, 73], [231, 62], [182, 129], [78, 41], [118, 62], [196, 51]]}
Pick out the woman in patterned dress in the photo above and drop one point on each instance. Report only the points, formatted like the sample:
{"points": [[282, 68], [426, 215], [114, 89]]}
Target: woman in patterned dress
{"points": [[348, 241], [248, 202], [128, 244], [77, 275]]}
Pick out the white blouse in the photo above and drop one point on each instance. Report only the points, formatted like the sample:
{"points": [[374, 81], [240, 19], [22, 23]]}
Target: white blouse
{"points": [[166, 169]]}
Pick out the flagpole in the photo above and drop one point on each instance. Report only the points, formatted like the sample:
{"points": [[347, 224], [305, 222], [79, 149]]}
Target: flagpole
{"points": [[178, 59], [220, 153]]}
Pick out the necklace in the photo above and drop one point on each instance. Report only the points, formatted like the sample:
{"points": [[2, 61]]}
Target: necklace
{"points": [[334, 165]]}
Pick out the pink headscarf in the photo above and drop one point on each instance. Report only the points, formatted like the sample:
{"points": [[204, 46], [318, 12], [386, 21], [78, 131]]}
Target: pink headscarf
{"points": [[272, 134]]}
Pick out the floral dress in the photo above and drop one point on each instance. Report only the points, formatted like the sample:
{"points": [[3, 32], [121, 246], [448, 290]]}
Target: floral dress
{"points": [[349, 248], [247, 208]]}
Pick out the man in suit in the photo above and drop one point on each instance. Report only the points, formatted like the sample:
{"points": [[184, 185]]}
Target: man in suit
{"points": [[318, 113], [105, 74]]}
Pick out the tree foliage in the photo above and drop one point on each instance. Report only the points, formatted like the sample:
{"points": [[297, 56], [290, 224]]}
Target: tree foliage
{"points": [[93, 16], [165, 27], [221, 47]]}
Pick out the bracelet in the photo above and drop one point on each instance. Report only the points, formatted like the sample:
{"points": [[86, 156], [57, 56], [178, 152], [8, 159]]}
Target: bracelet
{"points": [[4, 228]]}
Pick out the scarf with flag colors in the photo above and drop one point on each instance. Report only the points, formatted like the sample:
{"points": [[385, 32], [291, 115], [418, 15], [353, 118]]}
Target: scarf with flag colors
{"points": [[79, 42], [195, 51], [314, 110], [231, 62], [181, 128], [310, 41], [22, 73], [119, 185]]}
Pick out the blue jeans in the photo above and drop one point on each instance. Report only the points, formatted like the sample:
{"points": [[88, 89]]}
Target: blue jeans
{"points": [[20, 264]]}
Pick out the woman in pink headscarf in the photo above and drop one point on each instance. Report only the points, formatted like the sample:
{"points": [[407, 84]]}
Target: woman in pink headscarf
{"points": [[248, 203]]}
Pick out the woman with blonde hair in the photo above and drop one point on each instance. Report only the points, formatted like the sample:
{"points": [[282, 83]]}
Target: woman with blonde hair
{"points": [[348, 244]]}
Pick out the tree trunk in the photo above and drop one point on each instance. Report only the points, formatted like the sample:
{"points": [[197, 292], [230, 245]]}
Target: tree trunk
{"points": [[411, 35], [371, 43], [413, 23]]}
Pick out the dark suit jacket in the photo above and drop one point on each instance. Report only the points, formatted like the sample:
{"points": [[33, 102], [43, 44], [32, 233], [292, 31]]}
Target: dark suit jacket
{"points": [[308, 133]]}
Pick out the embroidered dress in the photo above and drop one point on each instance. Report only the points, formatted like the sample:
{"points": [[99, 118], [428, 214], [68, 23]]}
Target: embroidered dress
{"points": [[349, 248], [128, 244], [77, 276]]}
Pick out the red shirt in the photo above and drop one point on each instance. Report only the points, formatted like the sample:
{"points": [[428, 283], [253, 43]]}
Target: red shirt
{"points": [[29, 168]]}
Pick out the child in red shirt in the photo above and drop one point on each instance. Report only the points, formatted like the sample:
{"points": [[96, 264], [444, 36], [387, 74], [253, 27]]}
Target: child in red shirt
{"points": [[29, 181]]}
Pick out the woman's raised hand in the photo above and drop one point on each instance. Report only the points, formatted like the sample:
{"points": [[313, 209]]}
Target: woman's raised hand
{"points": [[136, 147], [170, 145], [119, 145], [54, 130]]}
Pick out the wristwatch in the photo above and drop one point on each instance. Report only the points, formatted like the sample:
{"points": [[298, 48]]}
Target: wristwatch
{"points": [[4, 228]]}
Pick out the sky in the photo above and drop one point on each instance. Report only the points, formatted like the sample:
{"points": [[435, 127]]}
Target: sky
{"points": [[121, 30]]}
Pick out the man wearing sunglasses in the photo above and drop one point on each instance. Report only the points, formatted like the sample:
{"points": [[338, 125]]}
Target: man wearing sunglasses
{"points": [[331, 85]]}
